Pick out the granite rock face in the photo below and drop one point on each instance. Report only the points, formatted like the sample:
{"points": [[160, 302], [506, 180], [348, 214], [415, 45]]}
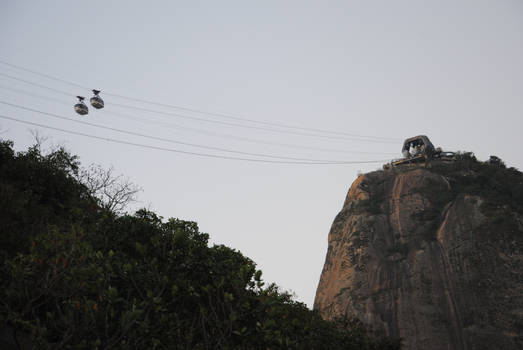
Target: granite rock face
{"points": [[413, 258]]}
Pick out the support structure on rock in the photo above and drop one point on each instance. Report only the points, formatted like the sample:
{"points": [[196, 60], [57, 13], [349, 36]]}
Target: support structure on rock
{"points": [[419, 149]]}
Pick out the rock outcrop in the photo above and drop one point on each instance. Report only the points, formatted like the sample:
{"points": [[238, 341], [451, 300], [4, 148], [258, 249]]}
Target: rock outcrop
{"points": [[421, 254]]}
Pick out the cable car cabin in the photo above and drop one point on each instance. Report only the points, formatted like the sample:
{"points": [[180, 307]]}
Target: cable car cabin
{"points": [[416, 149], [419, 149], [96, 101], [80, 107], [418, 145]]}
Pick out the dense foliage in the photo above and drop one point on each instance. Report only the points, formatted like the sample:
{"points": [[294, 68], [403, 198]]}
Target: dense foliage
{"points": [[491, 179], [76, 275], [500, 188]]}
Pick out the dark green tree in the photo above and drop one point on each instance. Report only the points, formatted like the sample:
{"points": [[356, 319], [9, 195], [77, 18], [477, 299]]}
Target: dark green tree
{"points": [[76, 275]]}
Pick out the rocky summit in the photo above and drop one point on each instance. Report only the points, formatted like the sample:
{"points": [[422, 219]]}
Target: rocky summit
{"points": [[432, 254]]}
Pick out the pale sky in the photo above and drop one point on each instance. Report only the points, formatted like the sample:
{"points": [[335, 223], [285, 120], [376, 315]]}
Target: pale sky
{"points": [[388, 69]]}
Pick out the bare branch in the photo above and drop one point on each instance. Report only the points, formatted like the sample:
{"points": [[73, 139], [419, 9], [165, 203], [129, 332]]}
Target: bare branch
{"points": [[39, 139], [113, 192]]}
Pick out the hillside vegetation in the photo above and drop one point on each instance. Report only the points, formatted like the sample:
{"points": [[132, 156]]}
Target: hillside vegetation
{"points": [[77, 275]]}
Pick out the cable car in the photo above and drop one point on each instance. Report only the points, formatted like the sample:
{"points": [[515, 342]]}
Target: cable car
{"points": [[419, 149], [96, 101], [80, 107]]}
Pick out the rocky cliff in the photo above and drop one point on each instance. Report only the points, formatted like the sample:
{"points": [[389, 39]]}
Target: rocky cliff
{"points": [[431, 254]]}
